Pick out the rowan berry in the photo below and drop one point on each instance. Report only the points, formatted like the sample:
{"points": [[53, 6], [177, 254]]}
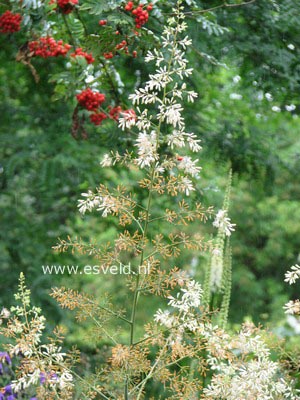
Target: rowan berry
{"points": [[108, 55], [103, 22], [90, 99], [79, 52], [121, 45], [66, 6], [141, 15], [97, 118], [129, 6], [114, 112], [10, 22], [48, 47]]}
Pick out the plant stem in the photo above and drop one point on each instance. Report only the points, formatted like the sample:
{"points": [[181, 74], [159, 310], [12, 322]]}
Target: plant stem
{"points": [[111, 82], [145, 231], [136, 291]]}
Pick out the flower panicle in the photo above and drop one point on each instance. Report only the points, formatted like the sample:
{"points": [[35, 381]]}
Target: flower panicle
{"points": [[24, 325], [159, 110]]}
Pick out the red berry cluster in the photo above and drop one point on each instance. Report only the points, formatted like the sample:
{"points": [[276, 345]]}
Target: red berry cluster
{"points": [[113, 113], [108, 55], [129, 114], [141, 14], [79, 52], [10, 22], [90, 100], [66, 6], [98, 117], [48, 47], [122, 46]]}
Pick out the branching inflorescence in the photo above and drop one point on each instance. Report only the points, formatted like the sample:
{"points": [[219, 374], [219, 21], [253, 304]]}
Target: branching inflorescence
{"points": [[43, 368], [185, 345]]}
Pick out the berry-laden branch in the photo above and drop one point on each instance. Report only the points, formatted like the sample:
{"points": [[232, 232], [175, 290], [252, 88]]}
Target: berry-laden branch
{"points": [[60, 21]]}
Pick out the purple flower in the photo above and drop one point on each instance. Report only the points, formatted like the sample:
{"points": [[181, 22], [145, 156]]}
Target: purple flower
{"points": [[4, 356], [8, 393], [50, 376], [8, 389], [8, 359], [54, 376], [42, 377]]}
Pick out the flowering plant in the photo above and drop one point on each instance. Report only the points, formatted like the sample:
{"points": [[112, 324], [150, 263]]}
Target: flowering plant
{"points": [[184, 349], [42, 368]]}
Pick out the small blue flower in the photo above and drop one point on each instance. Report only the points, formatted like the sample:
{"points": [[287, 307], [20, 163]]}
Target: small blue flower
{"points": [[8, 389], [4, 356], [54, 376], [42, 377]]}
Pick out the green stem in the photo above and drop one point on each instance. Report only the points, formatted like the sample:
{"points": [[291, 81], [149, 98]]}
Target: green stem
{"points": [[224, 5], [111, 82], [115, 314], [142, 384], [136, 291]]}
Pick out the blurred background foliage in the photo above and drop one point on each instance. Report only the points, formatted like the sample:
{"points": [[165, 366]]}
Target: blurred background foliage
{"points": [[246, 62]]}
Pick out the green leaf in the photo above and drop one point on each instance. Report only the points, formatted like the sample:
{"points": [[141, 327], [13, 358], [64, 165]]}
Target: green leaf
{"points": [[97, 8], [76, 27]]}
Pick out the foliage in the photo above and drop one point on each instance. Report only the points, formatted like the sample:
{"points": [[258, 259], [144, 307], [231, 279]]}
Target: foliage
{"points": [[244, 56]]}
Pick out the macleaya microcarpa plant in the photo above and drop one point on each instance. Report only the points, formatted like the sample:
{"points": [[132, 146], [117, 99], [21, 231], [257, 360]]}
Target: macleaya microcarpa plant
{"points": [[159, 122], [181, 346], [185, 349]]}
